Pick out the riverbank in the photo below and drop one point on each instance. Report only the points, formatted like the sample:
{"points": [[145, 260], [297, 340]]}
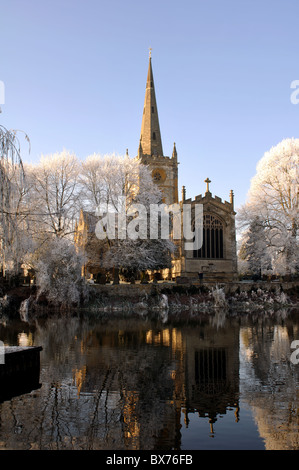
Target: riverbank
{"points": [[242, 296]]}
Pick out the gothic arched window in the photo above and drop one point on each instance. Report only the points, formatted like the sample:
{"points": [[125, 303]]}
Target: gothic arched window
{"points": [[212, 239]]}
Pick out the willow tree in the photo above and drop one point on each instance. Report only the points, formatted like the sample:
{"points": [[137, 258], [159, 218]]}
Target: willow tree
{"points": [[12, 191]]}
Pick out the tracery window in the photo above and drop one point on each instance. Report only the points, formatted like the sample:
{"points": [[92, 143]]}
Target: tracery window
{"points": [[212, 243]]}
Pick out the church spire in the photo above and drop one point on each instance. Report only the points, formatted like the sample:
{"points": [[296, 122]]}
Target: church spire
{"points": [[150, 138]]}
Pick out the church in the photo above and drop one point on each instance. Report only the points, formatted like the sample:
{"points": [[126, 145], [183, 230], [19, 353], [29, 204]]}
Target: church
{"points": [[216, 260]]}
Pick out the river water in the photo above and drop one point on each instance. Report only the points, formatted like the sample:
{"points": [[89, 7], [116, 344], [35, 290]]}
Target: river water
{"points": [[168, 382]]}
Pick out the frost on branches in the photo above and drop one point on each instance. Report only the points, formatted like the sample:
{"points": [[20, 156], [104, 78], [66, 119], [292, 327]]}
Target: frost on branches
{"points": [[105, 181], [59, 274], [270, 216], [13, 223], [54, 195], [40, 205], [106, 178]]}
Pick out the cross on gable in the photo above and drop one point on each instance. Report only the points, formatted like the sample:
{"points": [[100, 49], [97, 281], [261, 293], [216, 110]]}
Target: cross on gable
{"points": [[208, 181]]}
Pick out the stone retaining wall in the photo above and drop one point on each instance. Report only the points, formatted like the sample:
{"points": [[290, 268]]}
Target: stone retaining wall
{"points": [[122, 291]]}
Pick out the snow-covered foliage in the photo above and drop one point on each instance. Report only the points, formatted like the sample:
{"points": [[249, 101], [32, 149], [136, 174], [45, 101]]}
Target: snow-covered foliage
{"points": [[270, 217], [54, 192], [39, 210], [59, 273], [218, 296], [253, 250], [106, 179], [139, 255]]}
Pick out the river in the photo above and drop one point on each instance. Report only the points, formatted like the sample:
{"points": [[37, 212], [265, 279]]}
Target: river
{"points": [[169, 382]]}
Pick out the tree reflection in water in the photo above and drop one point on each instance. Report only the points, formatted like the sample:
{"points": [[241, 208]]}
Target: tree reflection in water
{"points": [[130, 383]]}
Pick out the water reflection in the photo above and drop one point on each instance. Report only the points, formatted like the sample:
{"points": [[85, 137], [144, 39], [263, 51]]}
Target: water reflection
{"points": [[133, 383]]}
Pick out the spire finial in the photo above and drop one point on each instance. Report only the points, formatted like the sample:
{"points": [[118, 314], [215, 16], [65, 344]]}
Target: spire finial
{"points": [[231, 197], [150, 52], [174, 152]]}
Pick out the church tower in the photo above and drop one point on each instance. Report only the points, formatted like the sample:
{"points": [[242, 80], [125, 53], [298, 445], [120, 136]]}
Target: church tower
{"points": [[216, 260], [164, 169]]}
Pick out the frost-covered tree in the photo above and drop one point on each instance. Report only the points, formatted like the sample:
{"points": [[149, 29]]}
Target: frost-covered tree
{"points": [[118, 184], [54, 195], [139, 255], [93, 179], [13, 213], [58, 273], [253, 249], [273, 198], [106, 178], [51, 201]]}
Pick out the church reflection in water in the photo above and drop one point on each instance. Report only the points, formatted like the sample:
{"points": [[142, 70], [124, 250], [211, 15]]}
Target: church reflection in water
{"points": [[157, 377], [212, 373], [133, 383]]}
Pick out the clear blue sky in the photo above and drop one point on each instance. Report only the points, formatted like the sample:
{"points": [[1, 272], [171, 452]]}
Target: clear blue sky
{"points": [[75, 74]]}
